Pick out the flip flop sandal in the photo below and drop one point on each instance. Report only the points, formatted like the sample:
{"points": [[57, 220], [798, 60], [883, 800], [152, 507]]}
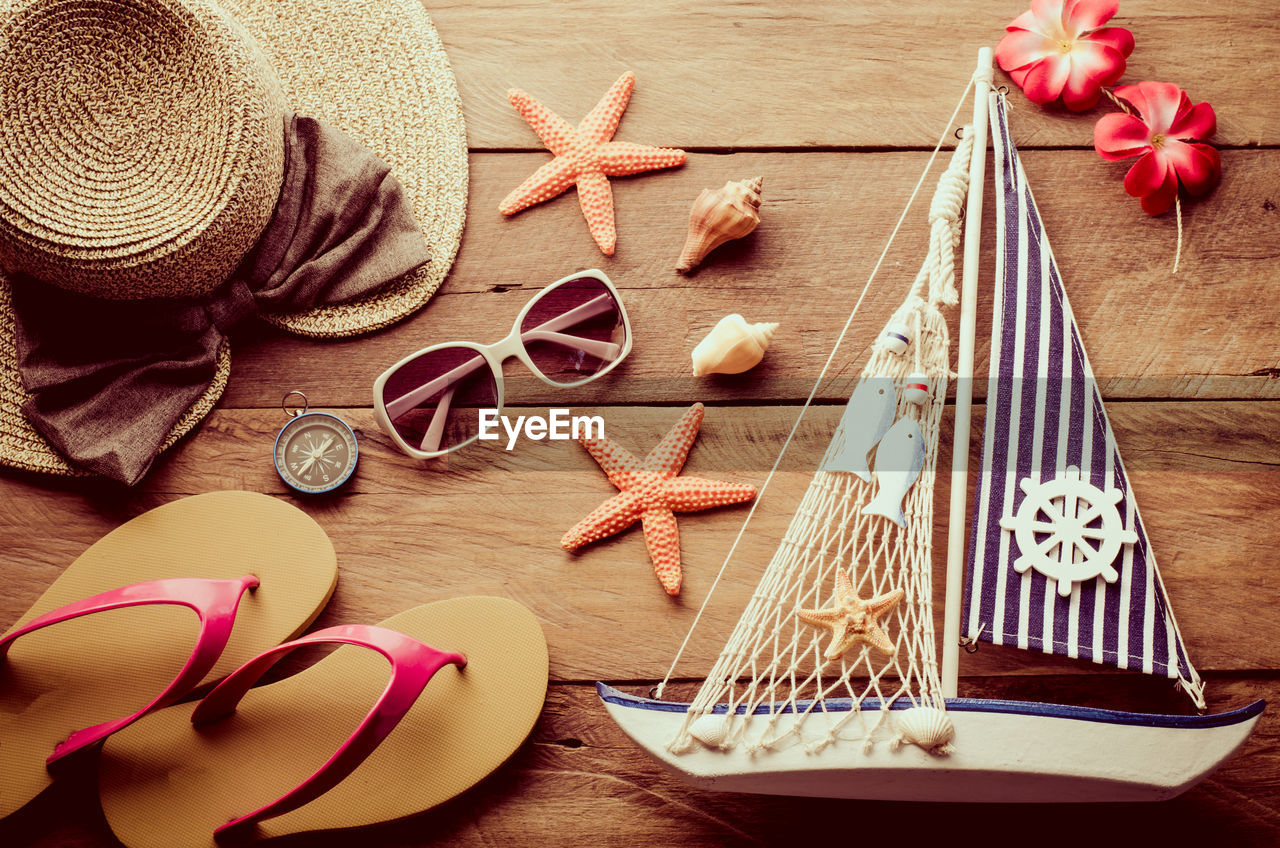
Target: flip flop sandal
{"points": [[114, 637], [307, 753]]}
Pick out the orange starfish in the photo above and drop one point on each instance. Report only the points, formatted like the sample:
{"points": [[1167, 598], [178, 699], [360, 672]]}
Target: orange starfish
{"points": [[587, 157], [651, 492], [853, 620]]}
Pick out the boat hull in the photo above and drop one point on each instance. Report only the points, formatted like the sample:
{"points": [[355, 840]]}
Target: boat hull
{"points": [[1005, 751]]}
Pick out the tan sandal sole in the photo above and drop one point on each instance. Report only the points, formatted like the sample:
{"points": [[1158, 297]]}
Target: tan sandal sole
{"points": [[104, 666], [165, 784]]}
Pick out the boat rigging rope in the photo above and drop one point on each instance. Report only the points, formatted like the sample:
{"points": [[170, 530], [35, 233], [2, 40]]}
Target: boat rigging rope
{"points": [[818, 382]]}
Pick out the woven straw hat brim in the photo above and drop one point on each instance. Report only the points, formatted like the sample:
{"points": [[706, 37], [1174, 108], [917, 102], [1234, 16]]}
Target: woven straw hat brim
{"points": [[377, 70]]}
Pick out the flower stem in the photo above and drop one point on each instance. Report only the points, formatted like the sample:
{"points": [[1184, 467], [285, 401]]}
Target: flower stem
{"points": [[1116, 100], [1177, 207]]}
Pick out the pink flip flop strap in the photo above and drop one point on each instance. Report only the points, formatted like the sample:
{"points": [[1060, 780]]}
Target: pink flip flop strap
{"points": [[214, 602], [413, 664]]}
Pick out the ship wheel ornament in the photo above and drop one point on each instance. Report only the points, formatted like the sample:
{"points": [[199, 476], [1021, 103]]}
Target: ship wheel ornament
{"points": [[1068, 529]]}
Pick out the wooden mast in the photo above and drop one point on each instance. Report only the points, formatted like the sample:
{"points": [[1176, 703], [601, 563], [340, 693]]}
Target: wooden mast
{"points": [[964, 381]]}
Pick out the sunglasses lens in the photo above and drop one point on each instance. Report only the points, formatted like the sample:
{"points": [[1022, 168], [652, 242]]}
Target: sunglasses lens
{"points": [[433, 400], [574, 331]]}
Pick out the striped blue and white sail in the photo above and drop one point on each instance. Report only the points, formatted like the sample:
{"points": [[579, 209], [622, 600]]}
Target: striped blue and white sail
{"points": [[1044, 416]]}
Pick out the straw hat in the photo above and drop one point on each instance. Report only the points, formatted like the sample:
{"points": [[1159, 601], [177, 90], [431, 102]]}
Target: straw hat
{"points": [[202, 86]]}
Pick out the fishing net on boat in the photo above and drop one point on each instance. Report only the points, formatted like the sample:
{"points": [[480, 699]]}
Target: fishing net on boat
{"points": [[774, 674]]}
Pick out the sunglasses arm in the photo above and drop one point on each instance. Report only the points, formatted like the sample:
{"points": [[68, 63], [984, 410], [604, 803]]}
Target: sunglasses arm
{"points": [[598, 349], [592, 308], [435, 431]]}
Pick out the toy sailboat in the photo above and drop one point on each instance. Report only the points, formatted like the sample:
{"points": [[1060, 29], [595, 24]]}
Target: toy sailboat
{"points": [[830, 684]]}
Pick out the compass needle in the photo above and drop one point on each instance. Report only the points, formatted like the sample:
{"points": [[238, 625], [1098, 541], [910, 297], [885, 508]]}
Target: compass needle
{"points": [[321, 450]]}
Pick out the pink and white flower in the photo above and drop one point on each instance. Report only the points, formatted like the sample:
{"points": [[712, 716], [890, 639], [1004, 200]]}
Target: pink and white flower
{"points": [[1167, 133], [1060, 48]]}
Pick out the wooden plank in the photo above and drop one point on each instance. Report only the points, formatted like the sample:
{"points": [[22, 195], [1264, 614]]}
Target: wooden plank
{"points": [[581, 775], [846, 98], [489, 522], [1149, 334], [824, 73]]}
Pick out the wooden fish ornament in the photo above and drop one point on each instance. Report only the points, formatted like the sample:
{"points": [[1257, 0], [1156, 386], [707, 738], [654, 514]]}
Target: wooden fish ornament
{"points": [[866, 419], [899, 459]]}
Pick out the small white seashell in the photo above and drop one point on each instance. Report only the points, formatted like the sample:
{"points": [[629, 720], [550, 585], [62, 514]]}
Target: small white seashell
{"points": [[732, 346], [896, 337], [916, 388], [710, 730], [928, 727]]}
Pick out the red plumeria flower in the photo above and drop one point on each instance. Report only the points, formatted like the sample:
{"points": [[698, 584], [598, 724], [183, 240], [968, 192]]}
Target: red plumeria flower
{"points": [[1060, 48], [1165, 130]]}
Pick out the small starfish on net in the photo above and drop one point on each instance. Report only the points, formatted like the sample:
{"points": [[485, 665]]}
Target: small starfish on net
{"points": [[652, 492], [852, 620], [586, 156]]}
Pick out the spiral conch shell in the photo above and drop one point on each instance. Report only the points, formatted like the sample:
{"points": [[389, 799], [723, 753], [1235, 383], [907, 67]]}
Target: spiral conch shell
{"points": [[719, 216], [732, 346], [928, 727]]}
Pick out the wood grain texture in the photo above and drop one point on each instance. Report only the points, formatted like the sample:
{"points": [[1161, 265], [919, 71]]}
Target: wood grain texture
{"points": [[581, 779], [836, 104], [488, 521], [1150, 334], [830, 73]]}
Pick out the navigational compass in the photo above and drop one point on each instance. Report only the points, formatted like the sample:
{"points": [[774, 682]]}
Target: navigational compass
{"points": [[315, 452]]}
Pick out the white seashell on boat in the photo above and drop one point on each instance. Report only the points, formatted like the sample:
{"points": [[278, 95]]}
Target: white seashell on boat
{"points": [[916, 388], [710, 730], [896, 337], [732, 346], [928, 727]]}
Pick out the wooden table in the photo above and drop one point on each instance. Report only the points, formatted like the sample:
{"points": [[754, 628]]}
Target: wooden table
{"points": [[836, 104]]}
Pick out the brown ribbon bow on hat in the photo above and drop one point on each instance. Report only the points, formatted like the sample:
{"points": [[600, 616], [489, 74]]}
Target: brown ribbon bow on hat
{"points": [[109, 379]]}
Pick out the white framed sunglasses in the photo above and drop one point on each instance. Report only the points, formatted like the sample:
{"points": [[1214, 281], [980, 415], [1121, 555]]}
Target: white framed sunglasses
{"points": [[572, 332]]}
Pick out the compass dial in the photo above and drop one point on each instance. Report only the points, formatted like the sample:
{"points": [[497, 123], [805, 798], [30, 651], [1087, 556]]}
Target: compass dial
{"points": [[316, 452]]}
